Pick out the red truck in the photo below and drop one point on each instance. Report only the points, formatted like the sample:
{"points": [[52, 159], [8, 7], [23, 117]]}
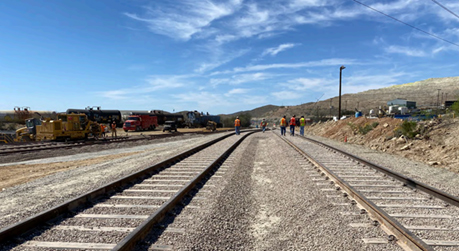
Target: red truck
{"points": [[140, 123]]}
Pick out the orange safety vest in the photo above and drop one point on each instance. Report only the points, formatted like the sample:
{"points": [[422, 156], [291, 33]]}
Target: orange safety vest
{"points": [[114, 126], [237, 122], [283, 122], [292, 121]]}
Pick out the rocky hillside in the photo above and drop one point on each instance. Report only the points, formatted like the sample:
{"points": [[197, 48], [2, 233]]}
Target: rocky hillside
{"points": [[424, 93], [437, 145]]}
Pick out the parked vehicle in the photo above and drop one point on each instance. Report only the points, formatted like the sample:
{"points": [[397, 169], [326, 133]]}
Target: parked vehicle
{"points": [[170, 126], [140, 123]]}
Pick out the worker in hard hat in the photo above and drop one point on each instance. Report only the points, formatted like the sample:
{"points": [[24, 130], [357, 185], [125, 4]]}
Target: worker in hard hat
{"points": [[283, 124], [292, 125], [263, 125], [302, 124], [237, 125]]}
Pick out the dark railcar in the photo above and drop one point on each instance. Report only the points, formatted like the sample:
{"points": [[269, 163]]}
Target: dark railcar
{"points": [[196, 119], [100, 116]]}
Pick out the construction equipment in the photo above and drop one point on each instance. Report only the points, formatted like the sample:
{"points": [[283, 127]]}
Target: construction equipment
{"points": [[28, 133], [170, 126], [65, 127], [211, 125]]}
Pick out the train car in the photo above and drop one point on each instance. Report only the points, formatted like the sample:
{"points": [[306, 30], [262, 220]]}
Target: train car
{"points": [[100, 116], [196, 119]]}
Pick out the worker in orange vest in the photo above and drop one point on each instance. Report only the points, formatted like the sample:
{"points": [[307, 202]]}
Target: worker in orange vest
{"points": [[283, 124], [113, 129], [292, 125], [237, 125], [263, 125], [102, 129]]}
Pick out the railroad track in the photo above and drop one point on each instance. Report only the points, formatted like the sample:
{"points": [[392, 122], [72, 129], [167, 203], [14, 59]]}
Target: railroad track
{"points": [[118, 215], [415, 215], [39, 146]]}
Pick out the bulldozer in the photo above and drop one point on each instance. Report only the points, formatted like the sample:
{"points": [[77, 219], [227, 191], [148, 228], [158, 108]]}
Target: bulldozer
{"points": [[65, 127], [211, 125]]}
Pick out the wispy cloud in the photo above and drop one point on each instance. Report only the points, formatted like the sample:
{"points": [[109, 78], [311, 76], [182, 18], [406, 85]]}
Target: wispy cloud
{"points": [[405, 51], [152, 84], [182, 21], [275, 50], [236, 92], [286, 95], [241, 78], [319, 63]]}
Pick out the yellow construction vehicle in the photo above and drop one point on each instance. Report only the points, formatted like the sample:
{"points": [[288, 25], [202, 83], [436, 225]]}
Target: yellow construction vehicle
{"points": [[211, 125], [65, 127]]}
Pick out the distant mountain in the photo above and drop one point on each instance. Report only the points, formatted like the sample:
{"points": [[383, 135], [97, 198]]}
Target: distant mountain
{"points": [[425, 93], [257, 112]]}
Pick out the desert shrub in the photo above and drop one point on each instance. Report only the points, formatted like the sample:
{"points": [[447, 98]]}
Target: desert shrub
{"points": [[375, 124], [455, 107], [408, 129], [352, 125], [365, 129]]}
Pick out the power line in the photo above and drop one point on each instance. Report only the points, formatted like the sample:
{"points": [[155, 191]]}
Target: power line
{"points": [[430, 34], [448, 10]]}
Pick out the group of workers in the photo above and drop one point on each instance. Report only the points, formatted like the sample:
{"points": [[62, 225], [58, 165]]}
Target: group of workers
{"points": [[104, 129], [283, 125]]}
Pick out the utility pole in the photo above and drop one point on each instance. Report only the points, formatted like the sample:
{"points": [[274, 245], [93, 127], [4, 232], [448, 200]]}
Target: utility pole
{"points": [[441, 100], [438, 98], [331, 107], [339, 106]]}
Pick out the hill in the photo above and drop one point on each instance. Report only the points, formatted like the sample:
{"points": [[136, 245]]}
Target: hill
{"points": [[425, 93]]}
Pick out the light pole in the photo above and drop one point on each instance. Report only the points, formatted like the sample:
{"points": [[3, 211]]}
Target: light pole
{"points": [[339, 105]]}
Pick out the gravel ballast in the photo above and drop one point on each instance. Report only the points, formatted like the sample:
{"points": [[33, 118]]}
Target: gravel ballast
{"points": [[264, 197]]}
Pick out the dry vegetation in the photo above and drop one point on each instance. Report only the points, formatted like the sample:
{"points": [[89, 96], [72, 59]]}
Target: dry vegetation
{"points": [[436, 143]]}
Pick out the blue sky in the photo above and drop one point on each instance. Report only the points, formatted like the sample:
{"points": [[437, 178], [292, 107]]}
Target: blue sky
{"points": [[215, 56]]}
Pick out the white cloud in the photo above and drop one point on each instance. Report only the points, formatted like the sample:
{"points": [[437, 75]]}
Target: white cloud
{"points": [[153, 84], [275, 50], [405, 50], [182, 21], [241, 78], [117, 94], [236, 92], [286, 95], [320, 63], [308, 84]]}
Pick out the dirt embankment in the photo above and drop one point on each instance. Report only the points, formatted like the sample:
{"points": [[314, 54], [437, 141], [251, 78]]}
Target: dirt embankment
{"points": [[438, 146]]}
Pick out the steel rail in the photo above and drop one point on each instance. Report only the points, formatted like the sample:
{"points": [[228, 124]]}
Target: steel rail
{"points": [[406, 237], [129, 242], [72, 205], [451, 199], [36, 147]]}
